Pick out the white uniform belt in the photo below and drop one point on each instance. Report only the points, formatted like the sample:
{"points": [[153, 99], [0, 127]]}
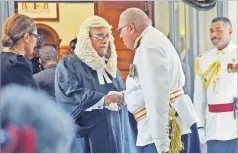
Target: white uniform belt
{"points": [[141, 113]]}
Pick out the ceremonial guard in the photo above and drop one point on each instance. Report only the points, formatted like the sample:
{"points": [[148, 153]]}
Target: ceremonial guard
{"points": [[215, 92]]}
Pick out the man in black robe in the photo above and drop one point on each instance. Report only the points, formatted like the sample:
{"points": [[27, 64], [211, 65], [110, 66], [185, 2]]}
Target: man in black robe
{"points": [[88, 85]]}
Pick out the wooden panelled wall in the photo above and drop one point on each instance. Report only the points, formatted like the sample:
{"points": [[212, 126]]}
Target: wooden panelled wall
{"points": [[63, 51]]}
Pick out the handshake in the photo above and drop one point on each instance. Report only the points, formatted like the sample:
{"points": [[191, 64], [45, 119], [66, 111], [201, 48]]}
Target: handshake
{"points": [[114, 100]]}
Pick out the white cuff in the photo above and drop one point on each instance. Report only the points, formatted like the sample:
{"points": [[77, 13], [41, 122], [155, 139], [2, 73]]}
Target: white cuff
{"points": [[162, 145], [98, 105]]}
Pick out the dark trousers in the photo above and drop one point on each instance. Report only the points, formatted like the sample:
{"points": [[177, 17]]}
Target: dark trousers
{"points": [[216, 146], [148, 149]]}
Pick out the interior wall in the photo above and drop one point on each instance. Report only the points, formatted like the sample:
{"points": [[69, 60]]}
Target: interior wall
{"points": [[205, 20], [161, 15], [232, 14], [71, 15], [6, 10]]}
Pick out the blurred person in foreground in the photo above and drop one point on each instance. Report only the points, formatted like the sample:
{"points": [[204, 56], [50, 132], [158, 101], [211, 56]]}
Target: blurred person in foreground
{"points": [[19, 39], [46, 78], [88, 86], [32, 123]]}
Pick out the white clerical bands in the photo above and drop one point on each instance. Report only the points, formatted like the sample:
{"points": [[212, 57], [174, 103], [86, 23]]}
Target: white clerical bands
{"points": [[103, 75], [141, 113]]}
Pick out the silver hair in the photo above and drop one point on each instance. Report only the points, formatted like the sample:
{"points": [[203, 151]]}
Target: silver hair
{"points": [[24, 106], [47, 53]]}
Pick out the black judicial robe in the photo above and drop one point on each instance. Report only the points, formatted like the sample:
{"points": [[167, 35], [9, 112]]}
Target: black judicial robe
{"points": [[77, 88]]}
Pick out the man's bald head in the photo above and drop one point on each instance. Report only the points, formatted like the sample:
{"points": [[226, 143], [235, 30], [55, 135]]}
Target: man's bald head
{"points": [[132, 23], [132, 15]]}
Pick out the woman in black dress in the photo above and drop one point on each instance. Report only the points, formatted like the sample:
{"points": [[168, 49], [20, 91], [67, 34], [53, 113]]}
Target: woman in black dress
{"points": [[19, 39]]}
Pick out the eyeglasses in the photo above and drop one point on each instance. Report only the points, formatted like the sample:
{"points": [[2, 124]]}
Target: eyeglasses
{"points": [[100, 36], [120, 29], [38, 37]]}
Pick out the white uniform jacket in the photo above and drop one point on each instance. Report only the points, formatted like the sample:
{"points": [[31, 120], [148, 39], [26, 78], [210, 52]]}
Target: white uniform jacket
{"points": [[217, 125], [158, 71]]}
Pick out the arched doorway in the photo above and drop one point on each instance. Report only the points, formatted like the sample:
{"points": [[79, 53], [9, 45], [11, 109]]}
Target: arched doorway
{"points": [[50, 36]]}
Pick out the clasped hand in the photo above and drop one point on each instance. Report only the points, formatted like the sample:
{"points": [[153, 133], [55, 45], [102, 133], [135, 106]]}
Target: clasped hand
{"points": [[114, 100]]}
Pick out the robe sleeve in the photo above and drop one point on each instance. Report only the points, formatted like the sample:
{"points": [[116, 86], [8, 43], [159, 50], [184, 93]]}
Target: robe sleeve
{"points": [[98, 105], [69, 90]]}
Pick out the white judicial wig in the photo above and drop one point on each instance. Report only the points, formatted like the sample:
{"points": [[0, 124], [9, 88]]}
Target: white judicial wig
{"points": [[85, 51]]}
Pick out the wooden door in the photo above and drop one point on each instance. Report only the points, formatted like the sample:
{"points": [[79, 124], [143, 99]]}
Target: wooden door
{"points": [[111, 11]]}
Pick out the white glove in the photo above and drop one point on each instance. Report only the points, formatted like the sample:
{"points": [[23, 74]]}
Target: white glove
{"points": [[113, 107], [202, 136], [162, 145]]}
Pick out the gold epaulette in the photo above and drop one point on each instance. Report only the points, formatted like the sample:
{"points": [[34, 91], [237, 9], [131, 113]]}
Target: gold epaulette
{"points": [[196, 66], [137, 42], [212, 69]]}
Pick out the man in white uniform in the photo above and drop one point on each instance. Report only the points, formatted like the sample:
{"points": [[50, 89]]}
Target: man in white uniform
{"points": [[154, 85], [215, 90]]}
